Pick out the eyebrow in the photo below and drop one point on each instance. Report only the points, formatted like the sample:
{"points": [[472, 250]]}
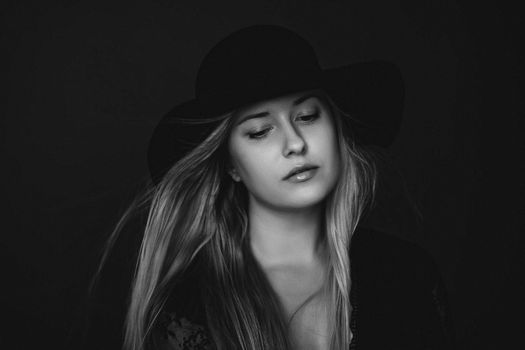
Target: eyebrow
{"points": [[265, 114]]}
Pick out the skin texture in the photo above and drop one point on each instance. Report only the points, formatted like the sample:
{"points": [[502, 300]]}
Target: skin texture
{"points": [[285, 217], [289, 136]]}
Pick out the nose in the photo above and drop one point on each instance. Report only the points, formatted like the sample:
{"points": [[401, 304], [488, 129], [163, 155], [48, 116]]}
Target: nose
{"points": [[294, 143]]}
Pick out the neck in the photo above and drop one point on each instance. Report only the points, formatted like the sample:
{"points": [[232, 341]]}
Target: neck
{"points": [[285, 238]]}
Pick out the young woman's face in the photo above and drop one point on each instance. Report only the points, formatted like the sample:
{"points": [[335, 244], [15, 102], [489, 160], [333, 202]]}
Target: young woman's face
{"points": [[272, 138]]}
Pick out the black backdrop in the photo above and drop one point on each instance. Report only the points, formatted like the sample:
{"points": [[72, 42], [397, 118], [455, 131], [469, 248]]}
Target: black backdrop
{"points": [[86, 81]]}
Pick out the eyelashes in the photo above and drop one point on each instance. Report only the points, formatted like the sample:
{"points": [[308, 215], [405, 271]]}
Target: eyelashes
{"points": [[259, 135], [304, 119]]}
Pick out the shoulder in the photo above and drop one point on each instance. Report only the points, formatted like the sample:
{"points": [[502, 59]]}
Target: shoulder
{"points": [[380, 244], [399, 291], [378, 254], [182, 322]]}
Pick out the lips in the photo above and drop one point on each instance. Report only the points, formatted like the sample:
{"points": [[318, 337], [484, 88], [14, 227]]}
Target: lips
{"points": [[299, 169]]}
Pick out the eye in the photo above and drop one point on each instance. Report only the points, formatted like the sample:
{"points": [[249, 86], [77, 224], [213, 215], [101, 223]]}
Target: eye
{"points": [[259, 135], [308, 118], [305, 119]]}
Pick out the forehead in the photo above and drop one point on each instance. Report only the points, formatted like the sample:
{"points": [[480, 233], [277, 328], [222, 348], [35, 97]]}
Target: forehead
{"points": [[286, 101]]}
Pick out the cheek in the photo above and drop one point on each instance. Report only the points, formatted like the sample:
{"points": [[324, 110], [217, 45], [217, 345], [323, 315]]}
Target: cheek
{"points": [[331, 147], [236, 153], [326, 140], [248, 164], [256, 169]]}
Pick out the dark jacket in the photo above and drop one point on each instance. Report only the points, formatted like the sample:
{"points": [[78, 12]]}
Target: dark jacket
{"points": [[398, 299]]}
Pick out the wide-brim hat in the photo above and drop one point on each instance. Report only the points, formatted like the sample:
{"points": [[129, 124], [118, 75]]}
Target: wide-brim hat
{"points": [[261, 62]]}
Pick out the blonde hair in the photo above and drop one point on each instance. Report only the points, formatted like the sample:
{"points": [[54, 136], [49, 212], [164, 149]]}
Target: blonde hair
{"points": [[197, 214]]}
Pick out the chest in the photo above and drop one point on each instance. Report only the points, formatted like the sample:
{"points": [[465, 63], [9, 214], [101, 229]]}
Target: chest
{"points": [[308, 326], [305, 309]]}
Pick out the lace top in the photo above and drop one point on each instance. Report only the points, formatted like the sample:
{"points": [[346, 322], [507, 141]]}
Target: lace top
{"points": [[183, 334]]}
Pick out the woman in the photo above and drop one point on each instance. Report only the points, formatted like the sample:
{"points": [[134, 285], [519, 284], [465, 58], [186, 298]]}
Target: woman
{"points": [[252, 238]]}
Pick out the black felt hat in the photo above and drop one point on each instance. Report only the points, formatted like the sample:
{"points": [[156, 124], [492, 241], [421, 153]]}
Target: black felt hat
{"points": [[265, 61]]}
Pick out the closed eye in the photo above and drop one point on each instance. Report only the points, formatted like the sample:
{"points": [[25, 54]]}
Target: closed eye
{"points": [[308, 117], [259, 135]]}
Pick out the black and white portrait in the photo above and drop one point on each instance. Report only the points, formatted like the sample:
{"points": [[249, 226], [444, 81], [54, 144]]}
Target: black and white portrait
{"points": [[263, 175]]}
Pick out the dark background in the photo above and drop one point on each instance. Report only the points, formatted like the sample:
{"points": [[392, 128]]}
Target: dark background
{"points": [[86, 82]]}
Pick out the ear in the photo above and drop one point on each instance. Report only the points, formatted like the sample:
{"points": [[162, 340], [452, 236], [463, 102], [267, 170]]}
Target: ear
{"points": [[233, 173]]}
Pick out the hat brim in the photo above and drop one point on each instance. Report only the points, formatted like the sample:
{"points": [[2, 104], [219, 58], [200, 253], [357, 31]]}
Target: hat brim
{"points": [[370, 93]]}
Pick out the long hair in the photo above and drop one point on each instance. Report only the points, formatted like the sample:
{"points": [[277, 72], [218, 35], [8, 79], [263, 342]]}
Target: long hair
{"points": [[197, 214]]}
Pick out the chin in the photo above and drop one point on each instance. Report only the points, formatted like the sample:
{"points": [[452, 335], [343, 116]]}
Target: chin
{"points": [[305, 198]]}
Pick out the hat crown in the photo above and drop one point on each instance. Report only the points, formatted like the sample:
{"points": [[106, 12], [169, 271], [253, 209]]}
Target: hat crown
{"points": [[261, 62], [255, 56]]}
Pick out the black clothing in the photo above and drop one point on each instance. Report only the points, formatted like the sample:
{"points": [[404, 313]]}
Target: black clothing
{"points": [[398, 299]]}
